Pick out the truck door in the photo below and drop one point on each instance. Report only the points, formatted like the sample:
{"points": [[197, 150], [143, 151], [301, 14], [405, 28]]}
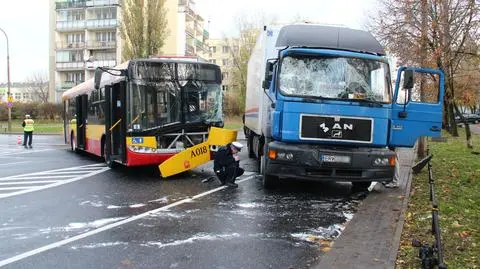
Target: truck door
{"points": [[81, 119], [115, 122], [417, 106]]}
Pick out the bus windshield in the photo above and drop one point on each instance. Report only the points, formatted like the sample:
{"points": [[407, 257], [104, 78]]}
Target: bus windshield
{"points": [[336, 78], [165, 95]]}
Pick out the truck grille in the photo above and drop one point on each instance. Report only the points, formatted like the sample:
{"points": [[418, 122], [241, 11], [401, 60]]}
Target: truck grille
{"points": [[336, 128]]}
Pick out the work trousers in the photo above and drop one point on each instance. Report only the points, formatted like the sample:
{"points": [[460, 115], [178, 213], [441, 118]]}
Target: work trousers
{"points": [[229, 174], [27, 136]]}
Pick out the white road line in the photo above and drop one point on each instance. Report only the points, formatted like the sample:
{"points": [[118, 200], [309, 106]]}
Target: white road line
{"points": [[28, 182], [15, 163], [26, 152], [109, 226], [36, 177], [14, 188], [58, 183], [51, 171]]}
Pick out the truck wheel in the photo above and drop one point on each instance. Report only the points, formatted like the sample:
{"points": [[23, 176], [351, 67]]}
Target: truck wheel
{"points": [[251, 152], [360, 186], [269, 181], [73, 144]]}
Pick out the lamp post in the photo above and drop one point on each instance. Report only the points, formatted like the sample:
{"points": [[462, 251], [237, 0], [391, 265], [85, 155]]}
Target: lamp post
{"points": [[8, 85]]}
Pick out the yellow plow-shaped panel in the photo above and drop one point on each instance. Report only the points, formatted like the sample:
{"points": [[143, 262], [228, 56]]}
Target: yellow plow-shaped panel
{"points": [[198, 154]]}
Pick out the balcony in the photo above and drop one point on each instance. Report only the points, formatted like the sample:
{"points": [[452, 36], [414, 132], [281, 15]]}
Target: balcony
{"points": [[100, 3], [189, 31], [100, 63], [101, 44], [67, 66], [66, 26], [70, 45], [206, 35], [101, 24], [65, 5], [189, 49], [69, 84]]}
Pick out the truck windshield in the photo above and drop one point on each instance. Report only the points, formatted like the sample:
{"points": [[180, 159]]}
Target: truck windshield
{"points": [[154, 105], [335, 77]]}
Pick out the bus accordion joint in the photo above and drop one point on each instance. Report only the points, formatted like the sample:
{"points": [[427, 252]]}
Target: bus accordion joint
{"points": [[198, 154], [113, 126]]}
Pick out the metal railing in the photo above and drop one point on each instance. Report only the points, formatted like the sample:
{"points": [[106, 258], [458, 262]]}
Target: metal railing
{"points": [[70, 66], [103, 23], [101, 44], [96, 3], [101, 63], [431, 256], [70, 25], [70, 45], [64, 5]]}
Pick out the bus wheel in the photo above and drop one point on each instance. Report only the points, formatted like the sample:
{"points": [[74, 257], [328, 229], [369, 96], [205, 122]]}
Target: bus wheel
{"points": [[73, 144], [106, 157]]}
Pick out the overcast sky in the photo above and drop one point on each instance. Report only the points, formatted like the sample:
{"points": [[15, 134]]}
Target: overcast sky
{"points": [[26, 24]]}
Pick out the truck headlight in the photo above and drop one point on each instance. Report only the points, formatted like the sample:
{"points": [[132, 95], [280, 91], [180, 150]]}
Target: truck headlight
{"points": [[382, 161], [286, 156]]}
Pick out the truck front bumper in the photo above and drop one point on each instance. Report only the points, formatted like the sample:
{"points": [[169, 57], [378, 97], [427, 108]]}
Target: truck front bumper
{"points": [[318, 162]]}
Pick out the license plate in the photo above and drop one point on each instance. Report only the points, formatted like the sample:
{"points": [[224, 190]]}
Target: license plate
{"points": [[335, 159]]}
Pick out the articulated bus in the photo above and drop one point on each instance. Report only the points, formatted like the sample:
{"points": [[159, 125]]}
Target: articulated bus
{"points": [[145, 110]]}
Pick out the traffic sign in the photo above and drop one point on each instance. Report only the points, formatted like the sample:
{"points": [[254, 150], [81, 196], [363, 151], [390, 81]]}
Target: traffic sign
{"points": [[10, 99], [9, 104]]}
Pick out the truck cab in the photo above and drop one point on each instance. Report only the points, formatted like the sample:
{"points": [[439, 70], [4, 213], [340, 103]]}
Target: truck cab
{"points": [[321, 105]]}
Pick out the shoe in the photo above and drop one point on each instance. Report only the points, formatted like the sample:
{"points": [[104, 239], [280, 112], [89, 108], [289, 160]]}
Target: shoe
{"points": [[391, 185], [30, 146], [231, 185], [25, 147]]}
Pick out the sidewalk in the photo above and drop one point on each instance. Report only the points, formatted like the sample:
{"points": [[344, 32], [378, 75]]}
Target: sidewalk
{"points": [[372, 238]]}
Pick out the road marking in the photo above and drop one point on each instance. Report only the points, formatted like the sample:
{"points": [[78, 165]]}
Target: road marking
{"points": [[57, 180], [110, 226], [15, 163], [25, 152]]}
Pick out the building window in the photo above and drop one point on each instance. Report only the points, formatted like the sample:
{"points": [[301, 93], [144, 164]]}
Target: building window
{"points": [[224, 75], [235, 49], [75, 76], [25, 95], [225, 87], [225, 49], [213, 49], [213, 61], [225, 62], [17, 96], [105, 36]]}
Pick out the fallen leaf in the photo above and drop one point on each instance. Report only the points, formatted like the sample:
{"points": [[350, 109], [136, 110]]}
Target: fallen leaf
{"points": [[401, 197], [326, 249], [455, 224], [464, 234]]}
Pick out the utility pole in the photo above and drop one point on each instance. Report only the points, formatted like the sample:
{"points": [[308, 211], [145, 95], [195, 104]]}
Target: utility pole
{"points": [[8, 85]]}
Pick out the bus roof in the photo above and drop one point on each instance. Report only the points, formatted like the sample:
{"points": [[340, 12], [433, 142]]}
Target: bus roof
{"points": [[107, 79]]}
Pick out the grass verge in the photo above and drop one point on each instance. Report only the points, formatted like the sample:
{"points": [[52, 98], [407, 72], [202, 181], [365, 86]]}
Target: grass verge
{"points": [[456, 172], [41, 127], [233, 123]]}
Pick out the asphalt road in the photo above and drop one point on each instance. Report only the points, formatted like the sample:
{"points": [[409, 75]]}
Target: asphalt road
{"points": [[66, 210]]}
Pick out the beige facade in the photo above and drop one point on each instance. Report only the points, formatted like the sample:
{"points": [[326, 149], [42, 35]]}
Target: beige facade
{"points": [[220, 54], [85, 34], [21, 92]]}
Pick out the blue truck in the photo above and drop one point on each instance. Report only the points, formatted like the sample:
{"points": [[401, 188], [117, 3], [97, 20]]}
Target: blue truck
{"points": [[321, 105]]}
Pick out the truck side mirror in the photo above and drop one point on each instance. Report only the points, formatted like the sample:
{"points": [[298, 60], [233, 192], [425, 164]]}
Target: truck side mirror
{"points": [[408, 79], [268, 75], [97, 78]]}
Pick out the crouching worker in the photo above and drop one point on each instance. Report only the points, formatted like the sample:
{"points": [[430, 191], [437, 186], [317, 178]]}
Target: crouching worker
{"points": [[226, 164]]}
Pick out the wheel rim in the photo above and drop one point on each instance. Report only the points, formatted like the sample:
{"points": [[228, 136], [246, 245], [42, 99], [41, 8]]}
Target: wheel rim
{"points": [[74, 145]]}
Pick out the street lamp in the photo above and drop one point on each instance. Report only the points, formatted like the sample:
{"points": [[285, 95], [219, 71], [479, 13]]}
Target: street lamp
{"points": [[8, 85]]}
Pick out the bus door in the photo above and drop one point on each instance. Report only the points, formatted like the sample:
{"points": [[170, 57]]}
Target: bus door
{"points": [[81, 105], [115, 122]]}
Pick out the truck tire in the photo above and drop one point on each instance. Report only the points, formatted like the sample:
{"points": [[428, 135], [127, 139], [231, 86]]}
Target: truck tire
{"points": [[251, 151], [360, 186], [269, 181]]}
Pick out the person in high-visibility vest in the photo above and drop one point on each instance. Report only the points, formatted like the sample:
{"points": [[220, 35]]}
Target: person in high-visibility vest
{"points": [[27, 131]]}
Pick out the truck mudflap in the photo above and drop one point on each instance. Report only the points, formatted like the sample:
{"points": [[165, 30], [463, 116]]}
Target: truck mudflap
{"points": [[322, 163]]}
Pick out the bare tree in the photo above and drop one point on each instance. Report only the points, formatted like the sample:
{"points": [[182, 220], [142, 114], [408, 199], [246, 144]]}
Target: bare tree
{"points": [[37, 87], [143, 27], [432, 33]]}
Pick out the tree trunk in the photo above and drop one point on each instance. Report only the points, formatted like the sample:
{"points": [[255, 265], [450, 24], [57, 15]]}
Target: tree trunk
{"points": [[468, 134]]}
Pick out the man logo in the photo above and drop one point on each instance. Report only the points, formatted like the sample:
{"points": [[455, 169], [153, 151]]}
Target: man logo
{"points": [[336, 134]]}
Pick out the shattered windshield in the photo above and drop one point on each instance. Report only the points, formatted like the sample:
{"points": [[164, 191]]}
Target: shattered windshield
{"points": [[335, 77]]}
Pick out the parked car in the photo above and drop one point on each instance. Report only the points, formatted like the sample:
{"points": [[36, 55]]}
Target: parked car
{"points": [[470, 118]]}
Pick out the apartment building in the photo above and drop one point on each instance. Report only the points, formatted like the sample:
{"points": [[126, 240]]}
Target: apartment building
{"points": [[21, 92], [221, 53], [85, 34]]}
